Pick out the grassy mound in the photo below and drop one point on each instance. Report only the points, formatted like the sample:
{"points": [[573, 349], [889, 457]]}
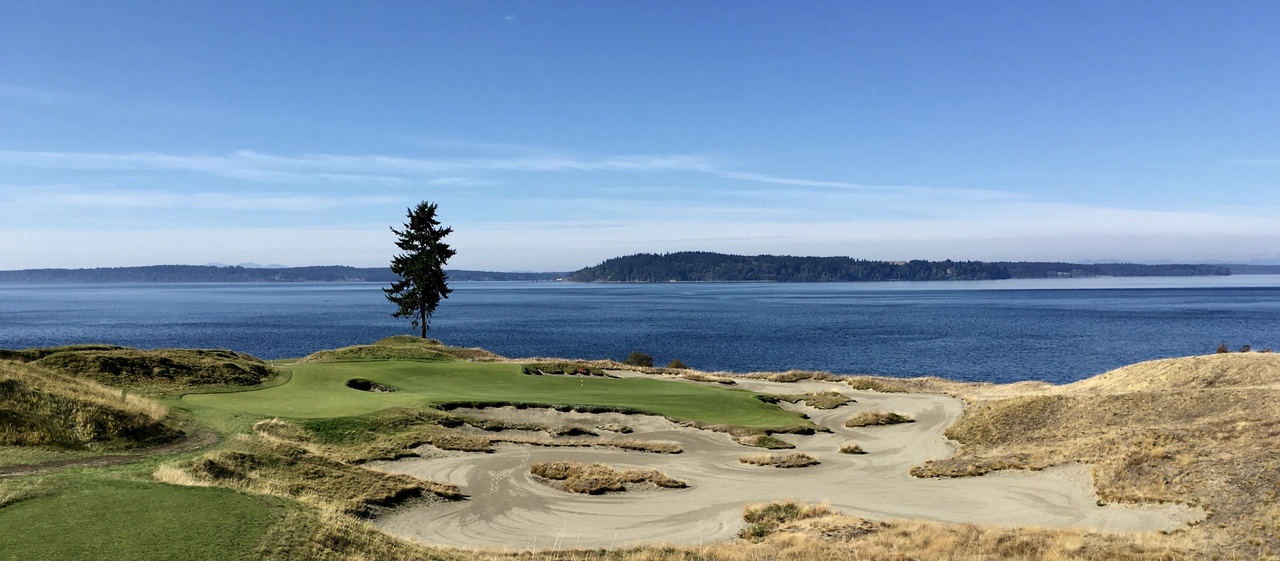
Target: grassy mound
{"points": [[877, 418], [852, 448], [1203, 444], [596, 479], [50, 409], [792, 460], [291, 471], [765, 519], [816, 400], [151, 371], [1228, 370], [764, 441], [401, 347]]}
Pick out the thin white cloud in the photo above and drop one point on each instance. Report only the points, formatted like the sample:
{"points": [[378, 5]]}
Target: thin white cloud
{"points": [[44, 96], [217, 201]]}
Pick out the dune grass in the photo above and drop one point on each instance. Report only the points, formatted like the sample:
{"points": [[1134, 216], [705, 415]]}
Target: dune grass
{"points": [[877, 418], [764, 441], [152, 372], [287, 470], [319, 390], [791, 460], [597, 479], [816, 400], [44, 408], [1198, 430], [852, 448]]}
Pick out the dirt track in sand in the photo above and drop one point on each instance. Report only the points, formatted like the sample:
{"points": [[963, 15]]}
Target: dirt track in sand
{"points": [[508, 508]]}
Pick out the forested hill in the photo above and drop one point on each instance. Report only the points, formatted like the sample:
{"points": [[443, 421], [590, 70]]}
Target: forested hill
{"points": [[200, 273], [695, 266], [707, 267]]}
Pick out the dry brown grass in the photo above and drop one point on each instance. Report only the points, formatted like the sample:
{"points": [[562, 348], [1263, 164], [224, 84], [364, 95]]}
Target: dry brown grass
{"points": [[764, 441], [817, 400], [704, 377], [876, 383], [44, 408], [876, 418], [792, 460], [596, 479], [1198, 431], [852, 448], [155, 372], [787, 531], [286, 470]]}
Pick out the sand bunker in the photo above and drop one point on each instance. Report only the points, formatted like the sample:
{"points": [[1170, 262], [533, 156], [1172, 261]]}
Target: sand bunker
{"points": [[509, 509]]}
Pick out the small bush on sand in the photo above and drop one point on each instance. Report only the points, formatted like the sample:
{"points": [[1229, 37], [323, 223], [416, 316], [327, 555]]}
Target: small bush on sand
{"points": [[676, 364], [764, 519], [764, 441], [1222, 348], [792, 460], [637, 358], [596, 479], [851, 448], [877, 418]]}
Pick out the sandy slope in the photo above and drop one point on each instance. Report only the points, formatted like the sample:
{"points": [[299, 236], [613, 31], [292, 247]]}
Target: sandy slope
{"points": [[508, 508]]}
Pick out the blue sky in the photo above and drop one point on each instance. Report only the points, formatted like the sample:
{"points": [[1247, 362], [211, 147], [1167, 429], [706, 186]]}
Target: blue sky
{"points": [[554, 135]]}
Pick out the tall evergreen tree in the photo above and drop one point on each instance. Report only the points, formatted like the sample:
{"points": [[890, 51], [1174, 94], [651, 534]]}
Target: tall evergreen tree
{"points": [[422, 281]]}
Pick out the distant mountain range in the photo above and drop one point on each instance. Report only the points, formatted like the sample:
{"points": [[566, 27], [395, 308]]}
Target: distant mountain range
{"points": [[688, 266]]}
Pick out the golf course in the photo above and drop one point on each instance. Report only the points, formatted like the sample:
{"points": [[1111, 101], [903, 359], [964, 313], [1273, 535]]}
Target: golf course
{"points": [[410, 449]]}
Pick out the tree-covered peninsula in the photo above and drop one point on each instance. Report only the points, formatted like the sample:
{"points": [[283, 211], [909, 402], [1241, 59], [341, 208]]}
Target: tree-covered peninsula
{"points": [[701, 266], [698, 266]]}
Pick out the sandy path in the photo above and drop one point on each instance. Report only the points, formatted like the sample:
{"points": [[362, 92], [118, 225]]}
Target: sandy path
{"points": [[508, 508]]}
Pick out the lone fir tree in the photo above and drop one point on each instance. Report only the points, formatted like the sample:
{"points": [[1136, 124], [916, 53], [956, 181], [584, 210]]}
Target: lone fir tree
{"points": [[422, 281]]}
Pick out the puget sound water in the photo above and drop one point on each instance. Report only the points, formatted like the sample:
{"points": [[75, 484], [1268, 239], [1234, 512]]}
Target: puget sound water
{"points": [[1058, 330]]}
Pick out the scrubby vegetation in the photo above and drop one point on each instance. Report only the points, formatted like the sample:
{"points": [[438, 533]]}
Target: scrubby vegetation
{"points": [[852, 448], [764, 441], [703, 377], [793, 376], [292, 471], [765, 519], [823, 400], [43, 408], [1198, 431], [792, 460], [877, 418], [637, 358], [596, 479], [151, 372], [870, 383], [562, 367]]}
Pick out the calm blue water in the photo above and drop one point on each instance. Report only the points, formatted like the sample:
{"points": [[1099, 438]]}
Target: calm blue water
{"points": [[1055, 330]]}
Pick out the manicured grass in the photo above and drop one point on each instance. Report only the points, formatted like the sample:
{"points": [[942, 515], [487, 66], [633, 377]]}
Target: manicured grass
{"points": [[320, 390], [116, 519]]}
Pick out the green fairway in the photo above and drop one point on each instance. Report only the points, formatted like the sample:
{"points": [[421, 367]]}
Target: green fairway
{"points": [[319, 390], [139, 521]]}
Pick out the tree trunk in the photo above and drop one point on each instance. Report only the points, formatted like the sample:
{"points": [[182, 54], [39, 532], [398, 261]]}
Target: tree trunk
{"points": [[422, 320]]}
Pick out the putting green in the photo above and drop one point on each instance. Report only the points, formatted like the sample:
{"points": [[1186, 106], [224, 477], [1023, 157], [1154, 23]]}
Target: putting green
{"points": [[320, 390]]}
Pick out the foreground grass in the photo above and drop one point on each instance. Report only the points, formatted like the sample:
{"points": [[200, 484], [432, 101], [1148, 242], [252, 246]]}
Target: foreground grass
{"points": [[106, 518], [319, 390]]}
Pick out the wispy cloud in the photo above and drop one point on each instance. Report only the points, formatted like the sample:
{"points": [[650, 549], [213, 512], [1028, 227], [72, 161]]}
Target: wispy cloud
{"points": [[216, 201], [44, 96]]}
